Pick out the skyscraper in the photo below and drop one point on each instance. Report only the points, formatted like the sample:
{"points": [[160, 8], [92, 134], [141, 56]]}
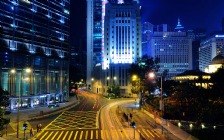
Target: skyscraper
{"points": [[95, 33], [95, 20], [174, 49], [210, 48], [34, 50], [120, 37]]}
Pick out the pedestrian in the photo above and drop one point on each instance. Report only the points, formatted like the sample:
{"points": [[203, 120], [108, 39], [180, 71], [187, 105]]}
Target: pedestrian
{"points": [[31, 132], [40, 126], [37, 128]]}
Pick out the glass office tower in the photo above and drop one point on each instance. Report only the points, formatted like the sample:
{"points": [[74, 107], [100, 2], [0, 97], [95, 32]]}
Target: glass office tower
{"points": [[34, 50]]}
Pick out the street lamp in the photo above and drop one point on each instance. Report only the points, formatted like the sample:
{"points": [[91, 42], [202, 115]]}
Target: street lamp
{"points": [[28, 70], [153, 75], [115, 78], [135, 78], [92, 80], [13, 71]]}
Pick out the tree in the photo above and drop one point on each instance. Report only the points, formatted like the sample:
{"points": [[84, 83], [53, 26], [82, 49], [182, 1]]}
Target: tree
{"points": [[142, 66], [3, 120], [113, 91], [4, 98]]}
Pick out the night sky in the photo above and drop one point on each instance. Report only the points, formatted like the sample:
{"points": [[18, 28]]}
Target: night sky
{"points": [[205, 14]]}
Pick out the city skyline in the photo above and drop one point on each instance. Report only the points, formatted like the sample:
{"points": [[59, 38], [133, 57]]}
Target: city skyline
{"points": [[201, 14]]}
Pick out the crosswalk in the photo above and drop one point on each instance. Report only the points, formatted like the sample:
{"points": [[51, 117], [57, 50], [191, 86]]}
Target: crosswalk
{"points": [[96, 134]]}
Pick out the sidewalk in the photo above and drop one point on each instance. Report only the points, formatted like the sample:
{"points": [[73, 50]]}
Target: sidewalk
{"points": [[26, 115], [174, 130]]}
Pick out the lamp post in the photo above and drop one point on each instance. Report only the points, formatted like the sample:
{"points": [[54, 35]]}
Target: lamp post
{"points": [[153, 75], [92, 80], [28, 70], [13, 71], [135, 77], [114, 81]]}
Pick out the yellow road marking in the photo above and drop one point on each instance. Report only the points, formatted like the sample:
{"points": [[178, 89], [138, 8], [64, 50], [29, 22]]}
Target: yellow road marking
{"points": [[117, 136], [96, 134], [43, 136], [60, 135], [102, 137], [65, 135], [76, 133], [86, 135], [81, 135], [55, 135], [125, 133], [49, 135], [70, 135], [91, 137], [145, 132], [151, 134], [107, 135], [156, 134], [121, 133], [53, 120]]}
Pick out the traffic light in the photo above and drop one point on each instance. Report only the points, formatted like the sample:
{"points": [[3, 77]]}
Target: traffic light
{"points": [[133, 124], [24, 126]]}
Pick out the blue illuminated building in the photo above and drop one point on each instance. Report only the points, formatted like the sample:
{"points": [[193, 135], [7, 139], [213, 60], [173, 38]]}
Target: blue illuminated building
{"points": [[174, 50], [210, 48], [95, 33], [121, 45], [34, 50]]}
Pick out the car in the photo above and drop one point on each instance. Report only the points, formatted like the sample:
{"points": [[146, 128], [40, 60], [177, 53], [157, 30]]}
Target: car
{"points": [[52, 105]]}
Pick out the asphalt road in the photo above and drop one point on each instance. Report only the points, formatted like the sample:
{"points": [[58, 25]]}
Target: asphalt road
{"points": [[85, 122], [79, 122]]}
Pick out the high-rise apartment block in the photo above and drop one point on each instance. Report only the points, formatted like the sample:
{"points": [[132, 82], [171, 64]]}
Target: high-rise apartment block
{"points": [[34, 50]]}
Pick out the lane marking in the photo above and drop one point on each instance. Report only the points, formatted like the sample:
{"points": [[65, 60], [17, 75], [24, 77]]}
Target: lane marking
{"points": [[55, 135], [116, 133], [70, 135], [49, 135], [65, 135], [107, 135], [60, 135], [151, 134], [81, 135], [125, 133], [145, 132], [156, 134], [43, 135], [102, 137], [97, 135], [91, 137], [86, 135], [76, 133]]}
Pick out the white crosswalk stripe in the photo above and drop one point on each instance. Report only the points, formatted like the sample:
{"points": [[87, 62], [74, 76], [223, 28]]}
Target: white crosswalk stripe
{"points": [[95, 134]]}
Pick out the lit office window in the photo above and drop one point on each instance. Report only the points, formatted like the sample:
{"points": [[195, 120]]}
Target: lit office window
{"points": [[62, 20]]}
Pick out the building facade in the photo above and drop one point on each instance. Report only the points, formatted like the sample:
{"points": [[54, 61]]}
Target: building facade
{"points": [[210, 48], [147, 31], [34, 51], [121, 43], [174, 49], [95, 33], [122, 35]]}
